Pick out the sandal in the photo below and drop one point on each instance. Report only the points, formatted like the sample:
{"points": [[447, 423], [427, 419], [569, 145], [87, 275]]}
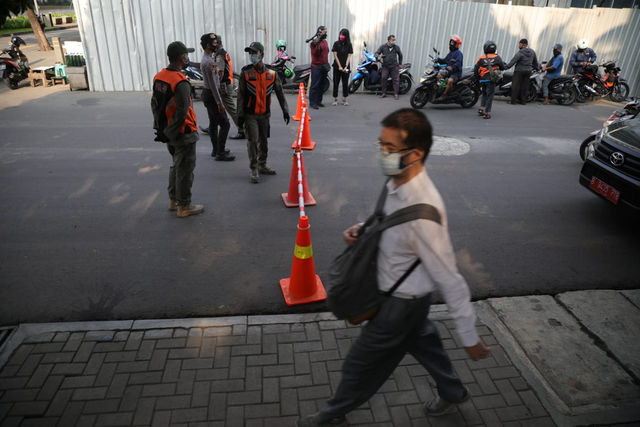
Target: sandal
{"points": [[481, 111], [486, 116]]}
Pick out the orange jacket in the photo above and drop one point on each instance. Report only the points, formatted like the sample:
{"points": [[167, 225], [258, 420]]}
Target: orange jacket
{"points": [[259, 87], [164, 88]]}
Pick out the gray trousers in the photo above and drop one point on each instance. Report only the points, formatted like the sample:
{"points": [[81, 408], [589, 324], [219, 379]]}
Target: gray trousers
{"points": [[395, 79], [488, 90], [181, 172], [257, 132], [226, 92], [400, 326]]}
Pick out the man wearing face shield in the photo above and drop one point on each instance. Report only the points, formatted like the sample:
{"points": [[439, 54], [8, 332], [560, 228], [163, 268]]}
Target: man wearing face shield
{"points": [[401, 325], [553, 69], [453, 60], [257, 82], [175, 123]]}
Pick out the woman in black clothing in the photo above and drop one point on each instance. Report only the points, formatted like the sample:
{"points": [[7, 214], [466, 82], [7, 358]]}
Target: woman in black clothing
{"points": [[342, 51]]}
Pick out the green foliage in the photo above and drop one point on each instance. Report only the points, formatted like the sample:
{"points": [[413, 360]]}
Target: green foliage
{"points": [[15, 7], [18, 22]]}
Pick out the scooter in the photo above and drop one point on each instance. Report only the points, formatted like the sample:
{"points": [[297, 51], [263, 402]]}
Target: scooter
{"points": [[292, 77], [369, 74], [15, 68], [465, 92], [592, 85], [503, 87], [562, 89], [629, 112]]}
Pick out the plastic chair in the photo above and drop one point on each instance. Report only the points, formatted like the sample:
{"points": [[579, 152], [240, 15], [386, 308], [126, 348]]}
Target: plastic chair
{"points": [[61, 72]]}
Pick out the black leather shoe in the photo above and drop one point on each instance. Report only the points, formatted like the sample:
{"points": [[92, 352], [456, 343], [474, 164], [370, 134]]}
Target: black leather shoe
{"points": [[320, 104], [240, 135], [214, 153], [315, 107], [203, 130]]}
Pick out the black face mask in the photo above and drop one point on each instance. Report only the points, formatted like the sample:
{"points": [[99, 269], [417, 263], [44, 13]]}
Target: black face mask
{"points": [[556, 52], [452, 47]]}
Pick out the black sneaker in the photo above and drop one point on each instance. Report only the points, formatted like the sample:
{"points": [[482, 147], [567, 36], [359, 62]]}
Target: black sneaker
{"points": [[320, 104], [225, 157], [438, 406], [315, 107]]}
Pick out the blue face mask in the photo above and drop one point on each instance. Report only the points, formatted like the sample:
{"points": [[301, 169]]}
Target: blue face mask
{"points": [[254, 59]]}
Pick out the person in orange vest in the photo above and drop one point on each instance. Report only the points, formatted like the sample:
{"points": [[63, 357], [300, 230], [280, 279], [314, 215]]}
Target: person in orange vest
{"points": [[175, 123], [256, 84]]}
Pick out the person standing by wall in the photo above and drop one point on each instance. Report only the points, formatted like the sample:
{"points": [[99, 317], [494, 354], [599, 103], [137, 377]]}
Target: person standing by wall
{"points": [[225, 70], [213, 101], [484, 64], [553, 69], [342, 51], [257, 82], [390, 56], [175, 123], [319, 66], [524, 60]]}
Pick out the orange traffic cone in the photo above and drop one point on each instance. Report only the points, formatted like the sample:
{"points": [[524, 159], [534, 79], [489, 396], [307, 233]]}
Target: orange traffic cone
{"points": [[302, 102], [304, 286], [292, 198], [304, 133]]}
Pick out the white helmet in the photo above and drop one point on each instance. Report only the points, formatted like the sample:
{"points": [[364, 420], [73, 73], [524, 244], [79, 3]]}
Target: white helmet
{"points": [[583, 44]]}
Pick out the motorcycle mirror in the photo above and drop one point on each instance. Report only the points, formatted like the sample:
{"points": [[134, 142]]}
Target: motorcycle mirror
{"points": [[293, 57]]}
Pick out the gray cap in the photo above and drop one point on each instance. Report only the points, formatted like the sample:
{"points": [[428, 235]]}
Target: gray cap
{"points": [[557, 46]]}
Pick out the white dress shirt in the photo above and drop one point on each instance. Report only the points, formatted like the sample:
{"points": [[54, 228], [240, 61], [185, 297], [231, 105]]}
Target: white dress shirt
{"points": [[401, 245]]}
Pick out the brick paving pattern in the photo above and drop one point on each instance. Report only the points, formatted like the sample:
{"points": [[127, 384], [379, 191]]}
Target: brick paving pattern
{"points": [[241, 375]]}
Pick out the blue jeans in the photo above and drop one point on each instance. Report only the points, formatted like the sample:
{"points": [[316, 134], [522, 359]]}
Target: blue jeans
{"points": [[318, 75], [545, 85]]}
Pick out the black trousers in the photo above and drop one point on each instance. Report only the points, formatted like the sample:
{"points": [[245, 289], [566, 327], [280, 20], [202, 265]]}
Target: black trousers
{"points": [[486, 101], [400, 326], [337, 77], [520, 86], [216, 120]]}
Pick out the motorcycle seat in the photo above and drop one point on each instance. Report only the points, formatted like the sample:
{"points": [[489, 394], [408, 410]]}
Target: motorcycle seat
{"points": [[301, 67]]}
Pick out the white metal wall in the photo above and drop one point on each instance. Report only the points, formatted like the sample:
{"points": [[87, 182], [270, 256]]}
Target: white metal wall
{"points": [[125, 40]]}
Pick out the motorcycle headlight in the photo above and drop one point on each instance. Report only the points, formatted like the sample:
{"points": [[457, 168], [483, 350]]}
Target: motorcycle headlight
{"points": [[428, 70]]}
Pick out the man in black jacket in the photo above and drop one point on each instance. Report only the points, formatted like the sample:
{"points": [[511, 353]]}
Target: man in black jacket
{"points": [[524, 60]]}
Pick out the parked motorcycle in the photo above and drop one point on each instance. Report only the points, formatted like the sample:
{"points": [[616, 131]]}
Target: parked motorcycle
{"points": [[465, 92], [563, 89], [292, 76], [592, 85], [503, 87], [368, 73], [629, 112], [16, 67]]}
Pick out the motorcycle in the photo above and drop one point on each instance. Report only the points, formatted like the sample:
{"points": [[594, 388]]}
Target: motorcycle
{"points": [[465, 91], [563, 89], [194, 74], [367, 73], [16, 67], [292, 77], [592, 85], [629, 112], [503, 87]]}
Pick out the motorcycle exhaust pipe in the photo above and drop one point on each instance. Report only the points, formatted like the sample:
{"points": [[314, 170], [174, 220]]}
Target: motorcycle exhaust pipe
{"points": [[590, 89]]}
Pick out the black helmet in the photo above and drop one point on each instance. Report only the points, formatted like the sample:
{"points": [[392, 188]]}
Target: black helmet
{"points": [[489, 47]]}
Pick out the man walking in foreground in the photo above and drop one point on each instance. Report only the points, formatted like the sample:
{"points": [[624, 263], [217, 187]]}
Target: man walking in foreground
{"points": [[402, 324], [175, 123]]}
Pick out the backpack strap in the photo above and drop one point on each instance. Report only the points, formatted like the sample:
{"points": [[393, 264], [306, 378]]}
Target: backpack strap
{"points": [[377, 213], [411, 213]]}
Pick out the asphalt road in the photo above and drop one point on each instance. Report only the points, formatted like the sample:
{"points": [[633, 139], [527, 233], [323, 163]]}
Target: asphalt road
{"points": [[85, 234]]}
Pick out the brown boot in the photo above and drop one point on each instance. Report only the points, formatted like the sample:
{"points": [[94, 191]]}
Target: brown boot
{"points": [[173, 205], [184, 211]]}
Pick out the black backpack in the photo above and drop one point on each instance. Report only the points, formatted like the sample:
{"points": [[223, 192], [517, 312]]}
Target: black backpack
{"points": [[353, 281]]}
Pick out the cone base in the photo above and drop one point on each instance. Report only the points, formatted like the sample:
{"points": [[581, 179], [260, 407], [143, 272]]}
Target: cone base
{"points": [[319, 295], [311, 146], [289, 204]]}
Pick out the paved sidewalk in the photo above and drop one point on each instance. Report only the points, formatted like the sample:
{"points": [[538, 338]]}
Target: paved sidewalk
{"points": [[238, 371]]}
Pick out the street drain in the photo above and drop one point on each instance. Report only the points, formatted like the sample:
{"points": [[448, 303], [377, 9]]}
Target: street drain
{"points": [[5, 333]]}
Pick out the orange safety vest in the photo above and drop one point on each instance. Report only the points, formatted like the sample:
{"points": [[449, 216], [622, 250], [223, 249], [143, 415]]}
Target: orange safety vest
{"points": [[164, 89], [259, 88], [228, 66]]}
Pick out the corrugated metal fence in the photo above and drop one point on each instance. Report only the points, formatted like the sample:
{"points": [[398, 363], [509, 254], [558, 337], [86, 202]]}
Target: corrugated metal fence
{"points": [[125, 40]]}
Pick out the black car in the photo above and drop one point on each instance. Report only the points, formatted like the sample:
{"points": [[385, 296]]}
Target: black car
{"points": [[612, 167]]}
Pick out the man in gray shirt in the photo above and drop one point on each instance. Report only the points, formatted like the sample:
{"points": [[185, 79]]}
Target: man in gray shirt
{"points": [[213, 101], [390, 56]]}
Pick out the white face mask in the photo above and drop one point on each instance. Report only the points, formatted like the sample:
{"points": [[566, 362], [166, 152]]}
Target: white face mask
{"points": [[391, 163]]}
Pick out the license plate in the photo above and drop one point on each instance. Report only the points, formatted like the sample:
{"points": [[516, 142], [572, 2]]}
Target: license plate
{"points": [[3, 66], [605, 190]]}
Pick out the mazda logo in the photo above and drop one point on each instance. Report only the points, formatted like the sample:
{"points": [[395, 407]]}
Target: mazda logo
{"points": [[617, 159]]}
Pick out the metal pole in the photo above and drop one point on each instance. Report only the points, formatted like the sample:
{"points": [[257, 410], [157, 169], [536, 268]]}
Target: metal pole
{"points": [[37, 10]]}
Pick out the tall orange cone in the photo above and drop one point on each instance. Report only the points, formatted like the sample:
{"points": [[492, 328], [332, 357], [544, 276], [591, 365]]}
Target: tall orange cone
{"points": [[302, 102], [304, 133], [304, 286], [292, 198]]}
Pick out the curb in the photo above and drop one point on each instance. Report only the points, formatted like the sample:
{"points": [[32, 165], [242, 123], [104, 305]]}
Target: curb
{"points": [[30, 31]]}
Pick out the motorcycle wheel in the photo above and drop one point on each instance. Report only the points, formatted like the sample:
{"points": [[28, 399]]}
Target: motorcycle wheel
{"points": [[405, 85], [11, 84], [619, 92], [585, 145], [419, 98], [471, 101], [583, 94], [354, 85], [569, 97], [532, 94]]}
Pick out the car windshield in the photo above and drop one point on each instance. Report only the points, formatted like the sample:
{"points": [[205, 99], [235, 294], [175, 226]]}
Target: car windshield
{"points": [[626, 133]]}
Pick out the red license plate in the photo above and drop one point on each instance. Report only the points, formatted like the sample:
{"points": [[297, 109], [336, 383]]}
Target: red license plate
{"points": [[605, 190]]}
